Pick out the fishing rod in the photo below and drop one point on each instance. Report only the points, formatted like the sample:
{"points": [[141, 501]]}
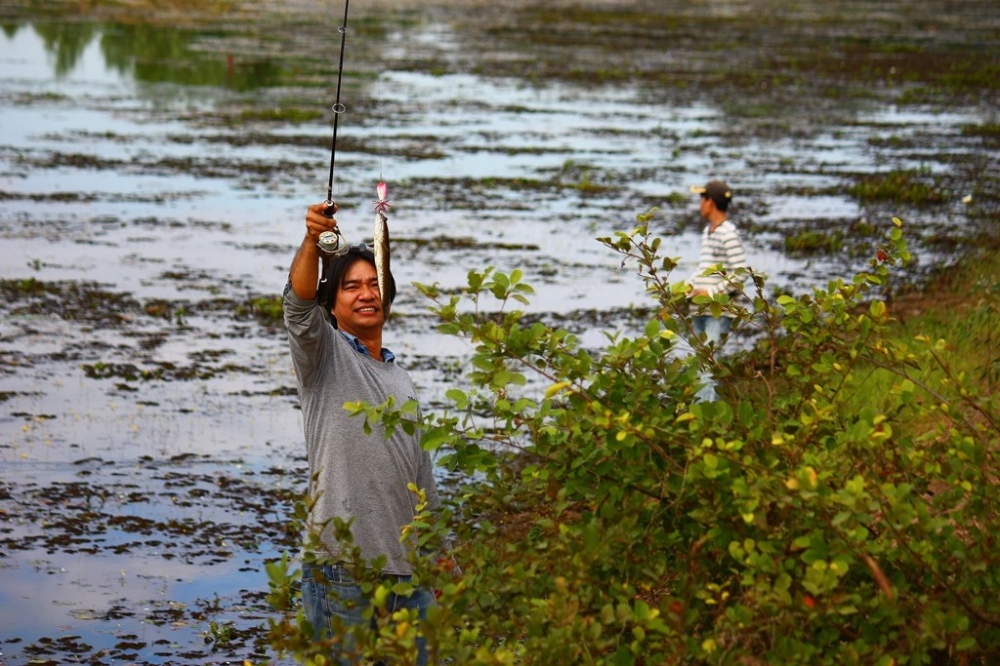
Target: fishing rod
{"points": [[333, 242]]}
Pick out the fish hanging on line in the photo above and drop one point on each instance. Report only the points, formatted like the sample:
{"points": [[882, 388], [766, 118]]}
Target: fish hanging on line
{"points": [[381, 245]]}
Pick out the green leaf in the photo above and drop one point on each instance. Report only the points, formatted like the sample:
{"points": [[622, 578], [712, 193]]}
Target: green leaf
{"points": [[459, 397], [434, 439]]}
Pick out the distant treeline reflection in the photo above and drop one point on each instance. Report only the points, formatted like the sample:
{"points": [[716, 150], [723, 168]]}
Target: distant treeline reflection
{"points": [[151, 53]]}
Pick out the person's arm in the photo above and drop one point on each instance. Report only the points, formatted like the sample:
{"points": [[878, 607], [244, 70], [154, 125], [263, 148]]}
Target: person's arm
{"points": [[304, 319], [736, 257], [304, 273], [701, 284]]}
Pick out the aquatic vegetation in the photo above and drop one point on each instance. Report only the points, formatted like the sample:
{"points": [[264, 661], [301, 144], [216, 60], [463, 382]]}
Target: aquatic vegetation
{"points": [[814, 242], [910, 186], [266, 309]]}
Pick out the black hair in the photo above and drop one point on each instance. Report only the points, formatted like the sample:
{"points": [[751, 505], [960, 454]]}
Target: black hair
{"points": [[335, 269], [722, 203]]}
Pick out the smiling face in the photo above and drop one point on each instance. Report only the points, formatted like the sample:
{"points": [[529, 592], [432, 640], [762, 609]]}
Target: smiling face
{"points": [[358, 308]]}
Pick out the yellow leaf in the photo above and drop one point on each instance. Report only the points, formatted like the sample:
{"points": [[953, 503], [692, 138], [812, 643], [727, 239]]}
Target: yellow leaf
{"points": [[812, 476], [555, 388]]}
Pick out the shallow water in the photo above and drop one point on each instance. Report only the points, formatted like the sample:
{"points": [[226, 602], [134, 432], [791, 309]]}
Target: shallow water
{"points": [[127, 167]]}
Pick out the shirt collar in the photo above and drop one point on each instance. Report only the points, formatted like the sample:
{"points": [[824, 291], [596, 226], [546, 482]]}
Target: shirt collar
{"points": [[387, 355]]}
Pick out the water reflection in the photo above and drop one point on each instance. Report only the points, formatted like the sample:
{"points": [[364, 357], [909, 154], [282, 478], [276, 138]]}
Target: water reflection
{"points": [[149, 54], [66, 43]]}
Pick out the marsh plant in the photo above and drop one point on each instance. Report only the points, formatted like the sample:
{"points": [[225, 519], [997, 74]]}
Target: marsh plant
{"points": [[613, 519]]}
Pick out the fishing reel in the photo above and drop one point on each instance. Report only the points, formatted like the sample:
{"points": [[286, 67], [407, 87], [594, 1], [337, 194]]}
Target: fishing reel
{"points": [[332, 243]]}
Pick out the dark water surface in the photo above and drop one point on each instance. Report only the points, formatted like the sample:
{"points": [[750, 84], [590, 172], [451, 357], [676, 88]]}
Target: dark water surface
{"points": [[154, 169]]}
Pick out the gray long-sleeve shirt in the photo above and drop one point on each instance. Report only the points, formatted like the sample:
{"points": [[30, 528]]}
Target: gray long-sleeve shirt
{"points": [[356, 475]]}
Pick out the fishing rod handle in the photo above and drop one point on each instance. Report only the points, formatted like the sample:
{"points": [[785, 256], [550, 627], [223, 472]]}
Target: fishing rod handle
{"points": [[332, 242]]}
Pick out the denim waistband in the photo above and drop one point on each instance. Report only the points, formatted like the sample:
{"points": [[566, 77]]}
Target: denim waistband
{"points": [[339, 572]]}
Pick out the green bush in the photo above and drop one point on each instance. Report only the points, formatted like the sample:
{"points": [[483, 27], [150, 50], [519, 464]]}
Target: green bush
{"points": [[612, 520]]}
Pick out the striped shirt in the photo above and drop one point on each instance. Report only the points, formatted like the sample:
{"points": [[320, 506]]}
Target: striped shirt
{"points": [[720, 247]]}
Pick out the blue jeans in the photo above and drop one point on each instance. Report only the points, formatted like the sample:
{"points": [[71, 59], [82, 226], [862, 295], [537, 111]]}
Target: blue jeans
{"points": [[716, 330], [339, 596]]}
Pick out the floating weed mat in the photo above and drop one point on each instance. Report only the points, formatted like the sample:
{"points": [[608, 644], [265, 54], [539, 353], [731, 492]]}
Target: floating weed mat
{"points": [[199, 513], [90, 302], [77, 515]]}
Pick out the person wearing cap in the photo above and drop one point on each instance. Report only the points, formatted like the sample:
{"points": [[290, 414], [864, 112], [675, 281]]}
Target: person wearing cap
{"points": [[721, 252], [335, 336]]}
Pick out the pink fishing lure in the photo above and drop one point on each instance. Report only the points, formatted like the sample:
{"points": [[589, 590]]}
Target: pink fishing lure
{"points": [[382, 205]]}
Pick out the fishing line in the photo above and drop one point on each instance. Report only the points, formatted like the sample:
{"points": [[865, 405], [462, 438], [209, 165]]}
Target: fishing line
{"points": [[378, 105]]}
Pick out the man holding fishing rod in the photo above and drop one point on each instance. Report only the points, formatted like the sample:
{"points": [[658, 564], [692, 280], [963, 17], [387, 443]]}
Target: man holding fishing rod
{"points": [[335, 335]]}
